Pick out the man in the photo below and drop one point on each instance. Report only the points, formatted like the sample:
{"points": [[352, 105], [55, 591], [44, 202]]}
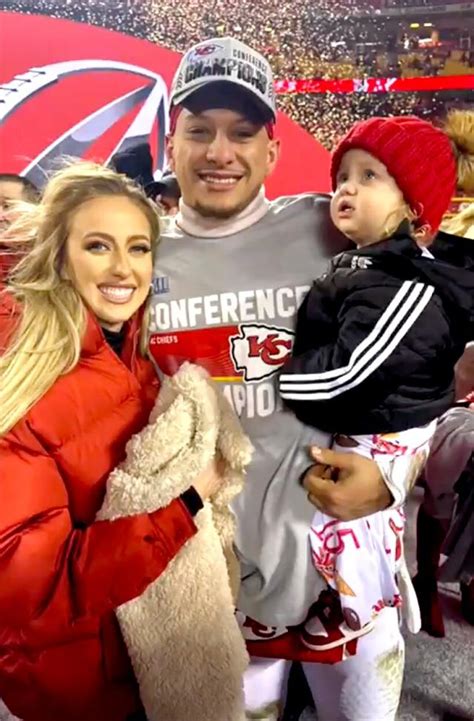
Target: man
{"points": [[166, 193], [137, 163], [13, 188], [231, 271]]}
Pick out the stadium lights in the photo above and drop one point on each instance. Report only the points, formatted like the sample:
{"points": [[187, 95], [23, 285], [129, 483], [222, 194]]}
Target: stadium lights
{"points": [[414, 25], [427, 25]]}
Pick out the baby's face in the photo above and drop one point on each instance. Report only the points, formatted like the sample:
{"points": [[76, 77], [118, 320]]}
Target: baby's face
{"points": [[367, 201]]}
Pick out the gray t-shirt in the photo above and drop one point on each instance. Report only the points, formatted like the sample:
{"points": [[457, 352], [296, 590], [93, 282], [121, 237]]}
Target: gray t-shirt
{"points": [[229, 304]]}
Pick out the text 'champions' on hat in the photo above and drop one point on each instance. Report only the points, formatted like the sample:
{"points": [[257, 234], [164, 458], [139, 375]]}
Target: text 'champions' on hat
{"points": [[229, 60]]}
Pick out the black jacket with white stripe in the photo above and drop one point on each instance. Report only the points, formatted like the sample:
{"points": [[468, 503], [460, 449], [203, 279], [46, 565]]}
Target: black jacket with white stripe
{"points": [[378, 336]]}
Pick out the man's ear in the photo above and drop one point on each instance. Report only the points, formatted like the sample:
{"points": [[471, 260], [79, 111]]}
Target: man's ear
{"points": [[170, 152], [274, 148]]}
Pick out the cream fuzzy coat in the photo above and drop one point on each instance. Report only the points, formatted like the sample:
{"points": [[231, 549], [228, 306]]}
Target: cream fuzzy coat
{"points": [[182, 636]]}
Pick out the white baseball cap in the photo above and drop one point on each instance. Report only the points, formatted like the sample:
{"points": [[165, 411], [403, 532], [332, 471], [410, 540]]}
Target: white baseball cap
{"points": [[225, 60]]}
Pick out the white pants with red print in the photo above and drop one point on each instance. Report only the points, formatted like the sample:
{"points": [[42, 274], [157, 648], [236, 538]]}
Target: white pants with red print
{"points": [[365, 687], [362, 559]]}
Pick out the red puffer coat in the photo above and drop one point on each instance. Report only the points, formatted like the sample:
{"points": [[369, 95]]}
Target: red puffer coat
{"points": [[62, 657]]}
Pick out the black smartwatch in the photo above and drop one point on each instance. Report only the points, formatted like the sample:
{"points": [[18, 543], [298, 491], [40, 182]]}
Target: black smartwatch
{"points": [[192, 500]]}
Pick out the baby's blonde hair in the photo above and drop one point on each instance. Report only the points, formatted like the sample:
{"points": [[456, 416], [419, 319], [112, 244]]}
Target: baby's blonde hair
{"points": [[396, 217]]}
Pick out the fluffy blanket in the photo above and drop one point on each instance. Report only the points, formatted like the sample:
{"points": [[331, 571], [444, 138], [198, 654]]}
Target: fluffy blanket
{"points": [[184, 642]]}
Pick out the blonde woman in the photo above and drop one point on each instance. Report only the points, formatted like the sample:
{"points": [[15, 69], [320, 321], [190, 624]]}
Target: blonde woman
{"points": [[452, 448], [462, 223], [74, 386]]}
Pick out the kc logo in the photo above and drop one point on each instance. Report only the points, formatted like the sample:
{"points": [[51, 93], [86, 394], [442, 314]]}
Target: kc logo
{"points": [[259, 350], [204, 50]]}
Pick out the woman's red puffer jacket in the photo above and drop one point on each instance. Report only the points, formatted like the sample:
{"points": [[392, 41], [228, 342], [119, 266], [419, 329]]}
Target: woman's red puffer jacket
{"points": [[62, 657]]}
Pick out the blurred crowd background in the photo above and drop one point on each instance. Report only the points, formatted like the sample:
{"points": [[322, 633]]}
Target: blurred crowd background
{"points": [[326, 39]]}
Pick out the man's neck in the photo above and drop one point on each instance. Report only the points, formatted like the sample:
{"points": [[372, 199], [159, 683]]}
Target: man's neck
{"points": [[193, 223]]}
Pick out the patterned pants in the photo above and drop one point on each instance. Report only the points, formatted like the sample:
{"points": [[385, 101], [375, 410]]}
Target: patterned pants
{"points": [[365, 687]]}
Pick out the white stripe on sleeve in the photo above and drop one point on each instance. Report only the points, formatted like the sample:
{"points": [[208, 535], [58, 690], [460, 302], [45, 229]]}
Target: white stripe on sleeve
{"points": [[394, 323]]}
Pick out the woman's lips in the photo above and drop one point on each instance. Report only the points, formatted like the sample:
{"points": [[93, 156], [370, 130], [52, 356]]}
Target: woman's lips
{"points": [[117, 293]]}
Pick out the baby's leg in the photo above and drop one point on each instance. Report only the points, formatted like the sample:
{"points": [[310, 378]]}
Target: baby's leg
{"points": [[367, 686], [265, 683]]}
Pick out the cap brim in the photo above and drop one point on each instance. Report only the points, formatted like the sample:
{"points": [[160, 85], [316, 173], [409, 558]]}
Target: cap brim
{"points": [[212, 93]]}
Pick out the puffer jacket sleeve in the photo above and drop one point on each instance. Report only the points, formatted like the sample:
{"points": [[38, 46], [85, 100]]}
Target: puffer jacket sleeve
{"points": [[367, 355], [50, 569]]}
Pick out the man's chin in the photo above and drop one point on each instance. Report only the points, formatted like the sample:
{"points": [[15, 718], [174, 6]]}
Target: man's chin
{"points": [[223, 211], [222, 208]]}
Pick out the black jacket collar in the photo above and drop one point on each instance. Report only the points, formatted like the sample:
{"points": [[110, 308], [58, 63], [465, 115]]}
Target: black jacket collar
{"points": [[451, 271]]}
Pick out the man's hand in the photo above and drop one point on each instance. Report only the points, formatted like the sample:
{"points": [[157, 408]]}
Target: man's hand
{"points": [[345, 485]]}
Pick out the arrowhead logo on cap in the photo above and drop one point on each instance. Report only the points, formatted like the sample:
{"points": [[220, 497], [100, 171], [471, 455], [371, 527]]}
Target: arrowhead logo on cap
{"points": [[203, 50]]}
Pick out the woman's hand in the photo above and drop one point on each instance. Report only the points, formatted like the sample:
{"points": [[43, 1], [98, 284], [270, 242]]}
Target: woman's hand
{"points": [[211, 479], [358, 488]]}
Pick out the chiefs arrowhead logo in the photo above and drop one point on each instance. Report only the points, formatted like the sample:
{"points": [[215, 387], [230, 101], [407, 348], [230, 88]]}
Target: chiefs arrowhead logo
{"points": [[260, 350], [204, 50]]}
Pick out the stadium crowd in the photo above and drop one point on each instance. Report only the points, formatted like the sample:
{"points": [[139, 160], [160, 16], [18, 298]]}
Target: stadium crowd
{"points": [[310, 40]]}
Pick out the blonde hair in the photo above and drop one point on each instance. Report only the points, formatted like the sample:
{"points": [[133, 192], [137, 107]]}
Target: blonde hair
{"points": [[462, 223], [459, 127], [52, 316], [396, 217]]}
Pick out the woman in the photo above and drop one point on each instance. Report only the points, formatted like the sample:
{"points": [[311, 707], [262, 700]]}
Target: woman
{"points": [[74, 387], [451, 452], [453, 443]]}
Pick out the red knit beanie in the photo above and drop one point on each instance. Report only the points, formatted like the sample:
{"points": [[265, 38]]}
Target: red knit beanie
{"points": [[417, 155]]}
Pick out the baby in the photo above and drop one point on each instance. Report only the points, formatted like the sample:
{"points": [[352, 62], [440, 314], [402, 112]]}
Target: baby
{"points": [[377, 340]]}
